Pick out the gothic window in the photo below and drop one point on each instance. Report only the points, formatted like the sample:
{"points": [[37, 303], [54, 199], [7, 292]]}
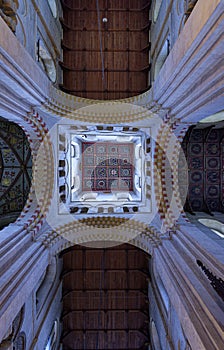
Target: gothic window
{"points": [[157, 6], [163, 53], [53, 7], [52, 339], [155, 337], [45, 285], [46, 60], [214, 118]]}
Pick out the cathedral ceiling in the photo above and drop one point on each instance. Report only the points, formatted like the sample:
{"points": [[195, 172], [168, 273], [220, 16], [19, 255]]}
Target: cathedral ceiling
{"points": [[15, 170], [204, 149], [105, 48], [105, 298]]}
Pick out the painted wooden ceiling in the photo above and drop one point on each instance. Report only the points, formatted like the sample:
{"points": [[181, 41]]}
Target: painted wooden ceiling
{"points": [[105, 303], [105, 48]]}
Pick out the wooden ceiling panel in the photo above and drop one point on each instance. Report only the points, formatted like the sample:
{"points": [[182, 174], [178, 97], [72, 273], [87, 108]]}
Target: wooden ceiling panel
{"points": [[136, 300], [204, 152], [137, 61], [104, 298], [74, 340], [117, 299], [136, 320], [116, 319], [116, 41], [136, 280], [91, 319], [136, 80], [74, 316], [116, 259], [135, 257], [73, 260], [115, 280], [108, 51], [117, 337], [73, 281], [93, 261]]}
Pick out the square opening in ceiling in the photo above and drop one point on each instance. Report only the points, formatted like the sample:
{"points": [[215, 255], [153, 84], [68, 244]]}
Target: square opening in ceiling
{"points": [[102, 169]]}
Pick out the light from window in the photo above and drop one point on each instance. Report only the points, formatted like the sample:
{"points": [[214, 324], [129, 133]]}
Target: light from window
{"points": [[46, 61], [157, 6], [52, 337], [218, 117], [53, 7], [215, 226], [161, 58]]}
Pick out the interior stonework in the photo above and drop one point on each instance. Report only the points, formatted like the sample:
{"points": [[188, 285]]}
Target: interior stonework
{"points": [[118, 240]]}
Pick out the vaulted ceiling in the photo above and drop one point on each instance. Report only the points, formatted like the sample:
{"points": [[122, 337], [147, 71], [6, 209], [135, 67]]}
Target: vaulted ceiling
{"points": [[105, 48], [204, 150], [15, 171]]}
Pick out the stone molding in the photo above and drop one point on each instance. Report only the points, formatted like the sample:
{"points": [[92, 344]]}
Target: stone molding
{"points": [[195, 301], [190, 79]]}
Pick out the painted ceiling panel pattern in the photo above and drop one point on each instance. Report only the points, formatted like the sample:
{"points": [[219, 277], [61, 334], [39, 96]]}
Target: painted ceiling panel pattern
{"points": [[15, 169], [107, 166], [204, 150]]}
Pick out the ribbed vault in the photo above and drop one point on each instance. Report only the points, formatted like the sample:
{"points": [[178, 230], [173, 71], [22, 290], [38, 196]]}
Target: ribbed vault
{"points": [[15, 171]]}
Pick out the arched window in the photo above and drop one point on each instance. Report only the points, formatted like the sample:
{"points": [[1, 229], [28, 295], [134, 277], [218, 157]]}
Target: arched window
{"points": [[161, 57], [46, 61], [52, 339], [45, 285], [53, 7], [157, 6], [155, 337], [214, 118]]}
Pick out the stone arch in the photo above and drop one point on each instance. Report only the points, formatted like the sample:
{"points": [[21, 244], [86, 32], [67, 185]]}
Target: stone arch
{"points": [[98, 232]]}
